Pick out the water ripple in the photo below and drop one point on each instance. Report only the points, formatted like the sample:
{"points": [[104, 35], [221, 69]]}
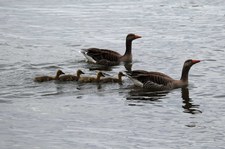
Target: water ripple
{"points": [[39, 37]]}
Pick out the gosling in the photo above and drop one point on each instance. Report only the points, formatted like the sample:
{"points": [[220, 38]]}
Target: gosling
{"points": [[113, 80], [49, 78], [92, 79], [71, 77]]}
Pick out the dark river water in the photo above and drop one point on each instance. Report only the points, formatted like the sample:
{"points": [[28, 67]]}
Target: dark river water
{"points": [[40, 37]]}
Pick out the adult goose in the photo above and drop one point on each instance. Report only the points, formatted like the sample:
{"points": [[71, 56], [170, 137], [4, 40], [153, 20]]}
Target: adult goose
{"points": [[91, 79], [49, 78], [71, 77], [109, 57], [156, 81], [113, 80]]}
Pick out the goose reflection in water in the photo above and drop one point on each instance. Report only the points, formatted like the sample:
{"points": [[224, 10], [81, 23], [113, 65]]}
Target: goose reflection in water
{"points": [[138, 95], [142, 96], [188, 106], [93, 67]]}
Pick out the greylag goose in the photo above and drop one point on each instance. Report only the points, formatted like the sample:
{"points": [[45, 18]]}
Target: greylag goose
{"points": [[91, 79], [157, 81], [49, 78], [71, 77], [113, 80], [109, 57]]}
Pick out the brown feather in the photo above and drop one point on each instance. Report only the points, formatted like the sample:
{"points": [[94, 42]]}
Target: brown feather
{"points": [[99, 54], [71, 77], [153, 77], [138, 72], [113, 80], [49, 78], [160, 81], [109, 57], [91, 79]]}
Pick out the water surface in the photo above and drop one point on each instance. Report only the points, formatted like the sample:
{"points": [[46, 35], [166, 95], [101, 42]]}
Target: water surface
{"points": [[39, 37]]}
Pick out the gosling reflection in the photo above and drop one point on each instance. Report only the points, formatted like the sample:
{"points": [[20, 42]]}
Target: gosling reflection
{"points": [[93, 67], [188, 106]]}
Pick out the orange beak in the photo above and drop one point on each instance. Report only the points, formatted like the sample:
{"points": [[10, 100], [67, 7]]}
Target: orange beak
{"points": [[195, 61], [137, 36]]}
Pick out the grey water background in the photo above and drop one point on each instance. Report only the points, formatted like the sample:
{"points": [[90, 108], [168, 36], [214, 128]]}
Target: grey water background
{"points": [[40, 37]]}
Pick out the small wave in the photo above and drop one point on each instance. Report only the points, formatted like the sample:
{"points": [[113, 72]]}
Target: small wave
{"points": [[19, 47], [38, 46], [51, 67], [51, 94], [219, 96], [211, 60], [143, 95], [42, 66], [4, 44], [5, 101], [72, 45]]}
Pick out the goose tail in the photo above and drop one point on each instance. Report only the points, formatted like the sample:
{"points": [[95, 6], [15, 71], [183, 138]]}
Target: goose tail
{"points": [[88, 58]]}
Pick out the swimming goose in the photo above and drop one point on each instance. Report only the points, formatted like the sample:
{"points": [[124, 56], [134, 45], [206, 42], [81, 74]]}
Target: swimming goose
{"points": [[157, 81], [71, 77], [91, 79], [49, 78], [113, 80], [109, 57]]}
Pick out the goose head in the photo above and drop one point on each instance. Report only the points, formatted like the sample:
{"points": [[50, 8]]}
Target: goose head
{"points": [[187, 66], [188, 63], [131, 37]]}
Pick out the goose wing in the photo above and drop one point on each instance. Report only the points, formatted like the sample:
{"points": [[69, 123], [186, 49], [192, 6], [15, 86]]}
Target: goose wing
{"points": [[143, 72], [151, 80], [68, 78], [154, 81], [102, 54], [155, 78]]}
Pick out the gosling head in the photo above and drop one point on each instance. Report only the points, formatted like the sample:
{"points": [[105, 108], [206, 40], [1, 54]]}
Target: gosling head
{"points": [[79, 72], [121, 74], [59, 72], [100, 74]]}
